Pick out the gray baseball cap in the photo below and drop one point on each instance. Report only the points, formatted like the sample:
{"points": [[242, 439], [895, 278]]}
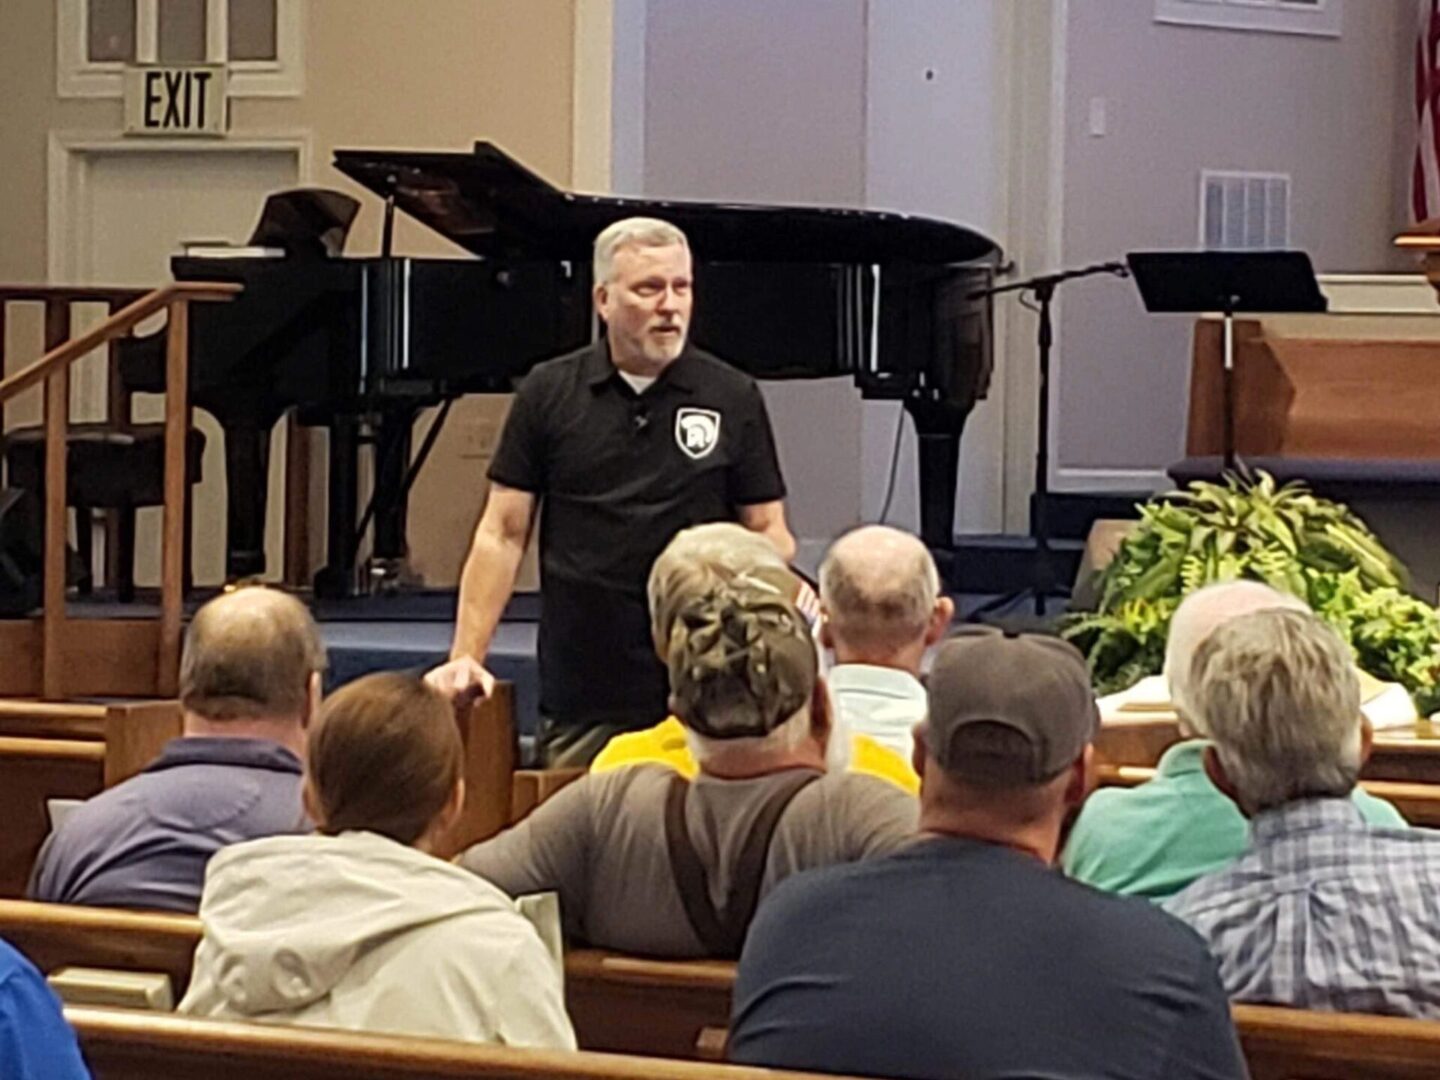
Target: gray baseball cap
{"points": [[988, 686]]}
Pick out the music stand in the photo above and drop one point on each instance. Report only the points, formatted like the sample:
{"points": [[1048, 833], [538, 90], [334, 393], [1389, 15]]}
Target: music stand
{"points": [[1195, 282]]}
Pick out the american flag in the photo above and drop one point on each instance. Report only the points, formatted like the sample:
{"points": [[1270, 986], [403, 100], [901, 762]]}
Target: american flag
{"points": [[1425, 180]]}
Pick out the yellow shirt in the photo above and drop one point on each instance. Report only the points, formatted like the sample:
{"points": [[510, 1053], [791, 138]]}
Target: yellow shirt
{"points": [[664, 744]]}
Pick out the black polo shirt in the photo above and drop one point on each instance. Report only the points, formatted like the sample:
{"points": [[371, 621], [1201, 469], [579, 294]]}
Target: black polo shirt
{"points": [[619, 474]]}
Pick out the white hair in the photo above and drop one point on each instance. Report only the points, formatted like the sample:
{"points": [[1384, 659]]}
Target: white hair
{"points": [[1279, 698], [632, 232], [879, 586], [1197, 617]]}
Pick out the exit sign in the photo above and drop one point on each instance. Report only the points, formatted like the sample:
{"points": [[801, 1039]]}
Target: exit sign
{"points": [[178, 99]]}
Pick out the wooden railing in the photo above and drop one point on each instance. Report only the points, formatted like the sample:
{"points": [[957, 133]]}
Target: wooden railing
{"points": [[53, 369]]}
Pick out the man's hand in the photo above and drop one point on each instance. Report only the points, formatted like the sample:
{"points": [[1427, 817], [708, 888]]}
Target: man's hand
{"points": [[462, 680]]}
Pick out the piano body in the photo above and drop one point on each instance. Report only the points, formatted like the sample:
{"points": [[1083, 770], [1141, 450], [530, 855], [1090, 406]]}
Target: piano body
{"points": [[361, 345]]}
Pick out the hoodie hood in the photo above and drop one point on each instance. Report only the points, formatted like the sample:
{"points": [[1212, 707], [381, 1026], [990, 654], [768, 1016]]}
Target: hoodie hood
{"points": [[287, 916]]}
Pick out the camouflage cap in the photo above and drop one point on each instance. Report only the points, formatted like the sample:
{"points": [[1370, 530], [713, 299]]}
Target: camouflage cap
{"points": [[740, 656]]}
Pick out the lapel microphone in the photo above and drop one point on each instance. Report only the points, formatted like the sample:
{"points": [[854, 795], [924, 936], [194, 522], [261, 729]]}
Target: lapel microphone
{"points": [[639, 418]]}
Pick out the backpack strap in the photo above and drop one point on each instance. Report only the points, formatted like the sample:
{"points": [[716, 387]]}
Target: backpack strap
{"points": [[722, 931]]}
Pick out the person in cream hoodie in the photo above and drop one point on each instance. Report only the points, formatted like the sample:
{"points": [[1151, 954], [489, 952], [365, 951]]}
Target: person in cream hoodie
{"points": [[360, 925]]}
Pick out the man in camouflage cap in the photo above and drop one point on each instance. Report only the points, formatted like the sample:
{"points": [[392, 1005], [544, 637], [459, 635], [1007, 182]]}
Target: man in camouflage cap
{"points": [[650, 862]]}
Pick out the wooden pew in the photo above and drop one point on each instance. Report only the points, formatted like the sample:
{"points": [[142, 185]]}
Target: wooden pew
{"points": [[1419, 804], [1406, 755], [1293, 1044], [639, 1006], [123, 1045], [531, 787], [32, 771]]}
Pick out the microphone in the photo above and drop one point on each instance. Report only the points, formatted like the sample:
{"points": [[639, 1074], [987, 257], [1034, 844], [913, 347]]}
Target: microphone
{"points": [[639, 418]]}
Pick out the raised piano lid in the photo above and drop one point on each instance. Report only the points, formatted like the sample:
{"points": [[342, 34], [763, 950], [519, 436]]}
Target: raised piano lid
{"points": [[488, 203]]}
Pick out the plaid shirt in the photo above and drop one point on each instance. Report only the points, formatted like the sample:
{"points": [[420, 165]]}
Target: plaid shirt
{"points": [[1325, 912]]}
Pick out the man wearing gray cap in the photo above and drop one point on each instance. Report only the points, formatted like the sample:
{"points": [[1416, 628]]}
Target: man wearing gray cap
{"points": [[965, 953], [646, 861]]}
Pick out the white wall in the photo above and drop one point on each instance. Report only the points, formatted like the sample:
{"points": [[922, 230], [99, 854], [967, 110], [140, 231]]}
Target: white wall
{"points": [[1330, 112]]}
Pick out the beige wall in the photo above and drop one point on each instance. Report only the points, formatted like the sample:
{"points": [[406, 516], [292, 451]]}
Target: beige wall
{"points": [[378, 73]]}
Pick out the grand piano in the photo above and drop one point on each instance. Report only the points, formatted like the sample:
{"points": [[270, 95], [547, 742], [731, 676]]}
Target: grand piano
{"points": [[361, 345]]}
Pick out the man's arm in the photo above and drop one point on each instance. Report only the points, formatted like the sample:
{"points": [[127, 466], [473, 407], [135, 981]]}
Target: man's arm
{"points": [[485, 585], [768, 519]]}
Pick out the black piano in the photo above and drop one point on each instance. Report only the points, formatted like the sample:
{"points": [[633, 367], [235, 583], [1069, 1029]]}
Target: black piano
{"points": [[361, 345]]}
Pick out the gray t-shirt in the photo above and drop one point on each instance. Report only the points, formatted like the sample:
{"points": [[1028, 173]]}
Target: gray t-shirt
{"points": [[600, 843]]}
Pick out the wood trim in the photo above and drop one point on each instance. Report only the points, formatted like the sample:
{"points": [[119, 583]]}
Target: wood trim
{"points": [[57, 420], [172, 545], [120, 323], [112, 294]]}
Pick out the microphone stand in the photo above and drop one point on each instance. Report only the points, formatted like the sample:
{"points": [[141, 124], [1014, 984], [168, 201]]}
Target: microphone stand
{"points": [[1042, 288]]}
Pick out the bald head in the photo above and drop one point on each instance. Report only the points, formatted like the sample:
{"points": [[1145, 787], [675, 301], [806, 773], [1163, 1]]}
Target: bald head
{"points": [[881, 594], [1198, 615], [250, 654]]}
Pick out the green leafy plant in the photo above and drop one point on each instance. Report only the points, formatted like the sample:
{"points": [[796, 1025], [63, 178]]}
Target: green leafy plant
{"points": [[1284, 536]]}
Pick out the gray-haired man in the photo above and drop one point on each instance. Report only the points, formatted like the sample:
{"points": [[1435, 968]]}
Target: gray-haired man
{"points": [[1324, 911], [625, 442]]}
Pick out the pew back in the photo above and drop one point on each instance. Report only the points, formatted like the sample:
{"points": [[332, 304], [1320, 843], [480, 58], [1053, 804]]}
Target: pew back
{"points": [[123, 1045], [31, 772], [1292, 1044]]}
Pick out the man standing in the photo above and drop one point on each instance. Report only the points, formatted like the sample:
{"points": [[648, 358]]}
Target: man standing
{"points": [[881, 608], [965, 954], [624, 442]]}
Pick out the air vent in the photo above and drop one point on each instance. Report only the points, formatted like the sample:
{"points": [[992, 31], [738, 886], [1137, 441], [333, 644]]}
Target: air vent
{"points": [[1244, 211]]}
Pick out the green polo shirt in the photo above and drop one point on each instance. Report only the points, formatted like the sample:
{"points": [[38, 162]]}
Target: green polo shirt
{"points": [[1155, 839]]}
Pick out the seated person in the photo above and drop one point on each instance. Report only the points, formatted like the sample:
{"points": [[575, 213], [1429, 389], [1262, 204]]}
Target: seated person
{"points": [[35, 1041], [881, 608], [737, 549], [1155, 839], [249, 682], [361, 926], [964, 954], [1324, 910], [646, 861]]}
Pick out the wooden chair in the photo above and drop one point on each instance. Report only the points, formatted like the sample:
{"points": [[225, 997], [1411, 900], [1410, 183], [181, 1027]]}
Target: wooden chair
{"points": [[130, 1045]]}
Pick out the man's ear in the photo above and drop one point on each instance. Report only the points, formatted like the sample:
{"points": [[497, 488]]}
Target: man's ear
{"points": [[1082, 778], [920, 751], [940, 620], [1367, 739], [451, 814], [601, 298], [1215, 770], [314, 692], [822, 722], [827, 636]]}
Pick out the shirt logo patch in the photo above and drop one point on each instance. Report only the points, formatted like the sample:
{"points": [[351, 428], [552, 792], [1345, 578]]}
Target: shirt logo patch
{"points": [[697, 431]]}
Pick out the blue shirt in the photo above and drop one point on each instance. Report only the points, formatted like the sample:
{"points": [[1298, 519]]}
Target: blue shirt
{"points": [[956, 958], [1155, 839], [35, 1041], [1326, 912], [144, 843]]}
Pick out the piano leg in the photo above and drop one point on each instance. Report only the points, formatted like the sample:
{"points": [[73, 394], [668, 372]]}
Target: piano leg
{"points": [[391, 501], [247, 477], [938, 426], [337, 577]]}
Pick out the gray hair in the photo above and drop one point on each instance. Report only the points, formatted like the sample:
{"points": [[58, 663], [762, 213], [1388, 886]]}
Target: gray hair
{"points": [[632, 232], [1197, 617], [712, 753], [250, 654], [1280, 700], [879, 586], [693, 559]]}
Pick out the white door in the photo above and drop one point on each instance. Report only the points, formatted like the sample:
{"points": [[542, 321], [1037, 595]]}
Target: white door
{"points": [[127, 210]]}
